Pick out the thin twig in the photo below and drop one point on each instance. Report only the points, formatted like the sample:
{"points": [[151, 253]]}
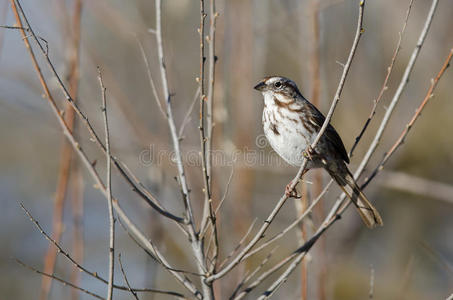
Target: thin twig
{"points": [[147, 244], [171, 122], [186, 119], [109, 189], [64, 282], [225, 193], [299, 255], [125, 278], [150, 77], [152, 253], [253, 273], [75, 263], [264, 276], [292, 225], [414, 118], [384, 85], [238, 246]]}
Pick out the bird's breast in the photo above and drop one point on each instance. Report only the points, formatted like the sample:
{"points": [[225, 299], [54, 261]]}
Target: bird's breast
{"points": [[286, 133]]}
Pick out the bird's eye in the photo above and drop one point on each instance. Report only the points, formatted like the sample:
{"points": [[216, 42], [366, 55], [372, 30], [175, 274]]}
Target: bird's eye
{"points": [[278, 84]]}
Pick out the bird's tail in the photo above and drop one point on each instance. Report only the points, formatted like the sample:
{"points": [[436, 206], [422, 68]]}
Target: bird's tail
{"points": [[369, 214]]}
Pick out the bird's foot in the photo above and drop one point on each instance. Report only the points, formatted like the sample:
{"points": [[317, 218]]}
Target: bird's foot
{"points": [[291, 192], [309, 152]]}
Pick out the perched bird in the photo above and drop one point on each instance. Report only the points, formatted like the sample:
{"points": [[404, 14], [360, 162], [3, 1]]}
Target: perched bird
{"points": [[291, 123]]}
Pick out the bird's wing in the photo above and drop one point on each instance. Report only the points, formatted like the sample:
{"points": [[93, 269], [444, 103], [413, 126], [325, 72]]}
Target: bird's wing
{"points": [[331, 134]]}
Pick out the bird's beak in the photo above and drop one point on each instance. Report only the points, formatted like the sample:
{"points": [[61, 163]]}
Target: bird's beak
{"points": [[260, 86]]}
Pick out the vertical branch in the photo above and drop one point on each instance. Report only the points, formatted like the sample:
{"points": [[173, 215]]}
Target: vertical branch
{"points": [[211, 77], [203, 99], [197, 244], [171, 122], [109, 191], [206, 133]]}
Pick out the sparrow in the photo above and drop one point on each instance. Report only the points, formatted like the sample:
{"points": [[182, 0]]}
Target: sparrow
{"points": [[291, 124]]}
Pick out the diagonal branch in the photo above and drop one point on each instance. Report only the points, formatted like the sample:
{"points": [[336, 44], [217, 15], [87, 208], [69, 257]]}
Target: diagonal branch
{"points": [[414, 118], [64, 282], [125, 278], [384, 85]]}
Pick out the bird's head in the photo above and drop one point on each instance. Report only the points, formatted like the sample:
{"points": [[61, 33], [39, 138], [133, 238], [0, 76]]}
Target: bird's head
{"points": [[278, 85]]}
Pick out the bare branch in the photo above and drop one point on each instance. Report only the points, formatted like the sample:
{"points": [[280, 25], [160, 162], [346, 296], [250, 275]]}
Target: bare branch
{"points": [[211, 81], [238, 246], [76, 264], [414, 118], [109, 190], [149, 247], [150, 77], [292, 225], [384, 85], [298, 255], [253, 273], [186, 119], [225, 194], [264, 276], [125, 278], [64, 282], [171, 122]]}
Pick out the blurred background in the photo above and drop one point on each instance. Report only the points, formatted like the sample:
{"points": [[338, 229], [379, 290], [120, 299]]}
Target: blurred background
{"points": [[411, 257]]}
